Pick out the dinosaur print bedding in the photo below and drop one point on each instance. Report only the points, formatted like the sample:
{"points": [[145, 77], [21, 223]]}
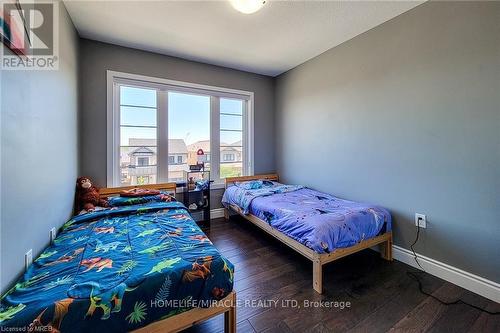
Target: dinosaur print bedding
{"points": [[318, 220], [118, 269]]}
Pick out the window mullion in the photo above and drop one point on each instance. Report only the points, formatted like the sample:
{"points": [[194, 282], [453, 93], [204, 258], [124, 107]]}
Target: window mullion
{"points": [[116, 135], [215, 137], [248, 134], [162, 135]]}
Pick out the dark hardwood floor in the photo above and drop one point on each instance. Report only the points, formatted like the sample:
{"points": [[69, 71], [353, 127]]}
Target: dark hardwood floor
{"points": [[382, 296]]}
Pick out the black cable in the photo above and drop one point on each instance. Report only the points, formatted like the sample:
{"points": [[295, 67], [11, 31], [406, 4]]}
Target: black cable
{"points": [[420, 287]]}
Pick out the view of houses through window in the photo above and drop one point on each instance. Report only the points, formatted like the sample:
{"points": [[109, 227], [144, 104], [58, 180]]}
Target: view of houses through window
{"points": [[231, 137], [189, 129], [138, 139]]}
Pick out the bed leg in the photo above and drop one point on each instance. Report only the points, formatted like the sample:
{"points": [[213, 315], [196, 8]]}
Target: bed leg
{"points": [[386, 249], [230, 317], [317, 276], [226, 214]]}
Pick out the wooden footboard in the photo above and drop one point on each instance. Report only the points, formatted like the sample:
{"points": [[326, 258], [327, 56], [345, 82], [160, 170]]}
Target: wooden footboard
{"points": [[384, 240], [181, 321], [111, 191]]}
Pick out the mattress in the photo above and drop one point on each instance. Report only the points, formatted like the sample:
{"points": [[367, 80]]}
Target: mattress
{"points": [[318, 220], [119, 269]]}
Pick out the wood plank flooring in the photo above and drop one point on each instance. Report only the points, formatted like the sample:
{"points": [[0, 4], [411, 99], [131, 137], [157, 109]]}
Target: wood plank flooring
{"points": [[382, 296]]}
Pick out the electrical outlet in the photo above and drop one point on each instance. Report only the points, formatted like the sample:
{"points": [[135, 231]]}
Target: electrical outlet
{"points": [[420, 220], [52, 234], [28, 258]]}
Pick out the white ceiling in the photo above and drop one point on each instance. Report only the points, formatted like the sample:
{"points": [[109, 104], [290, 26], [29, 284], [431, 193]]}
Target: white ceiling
{"points": [[282, 35]]}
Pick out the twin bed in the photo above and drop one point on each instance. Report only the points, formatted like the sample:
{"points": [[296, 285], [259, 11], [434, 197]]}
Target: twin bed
{"points": [[144, 265], [319, 226], [141, 265]]}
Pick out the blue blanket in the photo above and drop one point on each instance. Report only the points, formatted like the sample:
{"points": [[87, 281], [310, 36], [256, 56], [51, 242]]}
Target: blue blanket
{"points": [[318, 220], [242, 194], [119, 269]]}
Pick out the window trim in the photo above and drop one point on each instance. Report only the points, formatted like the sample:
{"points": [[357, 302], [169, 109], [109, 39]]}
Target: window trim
{"points": [[115, 78]]}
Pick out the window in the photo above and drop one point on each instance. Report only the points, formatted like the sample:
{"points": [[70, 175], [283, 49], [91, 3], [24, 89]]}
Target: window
{"points": [[138, 114], [142, 161], [228, 158], [188, 126], [231, 137], [156, 127]]}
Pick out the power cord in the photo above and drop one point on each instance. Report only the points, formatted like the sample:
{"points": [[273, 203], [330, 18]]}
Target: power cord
{"points": [[420, 287]]}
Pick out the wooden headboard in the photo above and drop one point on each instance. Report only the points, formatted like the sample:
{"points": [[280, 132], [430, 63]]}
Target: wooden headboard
{"points": [[270, 176], [110, 191]]}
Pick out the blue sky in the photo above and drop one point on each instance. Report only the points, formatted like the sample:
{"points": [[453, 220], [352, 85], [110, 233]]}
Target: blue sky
{"points": [[188, 116]]}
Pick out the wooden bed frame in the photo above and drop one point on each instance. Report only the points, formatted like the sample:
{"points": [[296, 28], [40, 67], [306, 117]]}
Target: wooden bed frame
{"points": [[111, 191], [181, 321], [318, 259]]}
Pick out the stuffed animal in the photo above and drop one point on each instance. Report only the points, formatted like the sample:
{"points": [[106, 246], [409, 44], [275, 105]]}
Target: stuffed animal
{"points": [[88, 195]]}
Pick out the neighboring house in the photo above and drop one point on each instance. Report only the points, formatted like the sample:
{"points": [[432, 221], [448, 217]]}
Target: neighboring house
{"points": [[177, 159], [193, 149], [231, 159], [231, 153], [231, 156], [139, 161]]}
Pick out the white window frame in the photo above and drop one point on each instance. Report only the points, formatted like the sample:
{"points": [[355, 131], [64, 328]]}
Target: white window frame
{"points": [[115, 79]]}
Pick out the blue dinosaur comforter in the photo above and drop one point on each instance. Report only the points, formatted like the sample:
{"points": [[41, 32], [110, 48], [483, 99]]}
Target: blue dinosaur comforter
{"points": [[119, 269], [318, 220]]}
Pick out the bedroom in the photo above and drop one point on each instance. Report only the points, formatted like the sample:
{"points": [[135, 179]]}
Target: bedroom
{"points": [[353, 122]]}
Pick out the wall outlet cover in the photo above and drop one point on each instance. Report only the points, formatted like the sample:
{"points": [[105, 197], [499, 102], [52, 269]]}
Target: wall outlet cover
{"points": [[420, 220], [52, 234], [28, 258]]}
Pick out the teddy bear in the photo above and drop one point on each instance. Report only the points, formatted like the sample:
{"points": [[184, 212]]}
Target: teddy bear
{"points": [[88, 195]]}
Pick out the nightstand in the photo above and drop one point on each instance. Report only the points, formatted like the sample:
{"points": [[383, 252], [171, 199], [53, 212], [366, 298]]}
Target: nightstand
{"points": [[197, 196]]}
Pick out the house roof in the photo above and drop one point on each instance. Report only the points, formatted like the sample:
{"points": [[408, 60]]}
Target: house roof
{"points": [[178, 146], [204, 144], [142, 150], [229, 149], [237, 143], [142, 142], [175, 146]]}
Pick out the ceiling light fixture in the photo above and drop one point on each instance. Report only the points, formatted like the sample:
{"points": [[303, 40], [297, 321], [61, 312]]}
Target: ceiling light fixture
{"points": [[247, 6]]}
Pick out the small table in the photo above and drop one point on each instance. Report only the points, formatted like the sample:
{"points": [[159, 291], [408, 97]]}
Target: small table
{"points": [[197, 196]]}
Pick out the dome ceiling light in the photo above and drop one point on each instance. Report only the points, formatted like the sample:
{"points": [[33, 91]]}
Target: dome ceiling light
{"points": [[247, 6]]}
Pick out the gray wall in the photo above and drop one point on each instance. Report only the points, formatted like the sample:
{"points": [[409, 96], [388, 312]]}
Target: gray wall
{"points": [[39, 157], [407, 115], [97, 57]]}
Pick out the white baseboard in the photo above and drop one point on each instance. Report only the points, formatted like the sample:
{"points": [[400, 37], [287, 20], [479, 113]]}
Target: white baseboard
{"points": [[216, 213], [466, 280]]}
